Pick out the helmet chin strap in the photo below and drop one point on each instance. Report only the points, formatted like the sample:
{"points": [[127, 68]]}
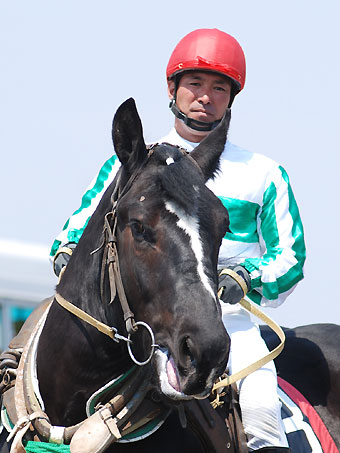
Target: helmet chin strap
{"points": [[200, 126]]}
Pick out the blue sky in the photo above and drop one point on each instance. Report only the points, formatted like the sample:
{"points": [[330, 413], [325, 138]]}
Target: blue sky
{"points": [[65, 67]]}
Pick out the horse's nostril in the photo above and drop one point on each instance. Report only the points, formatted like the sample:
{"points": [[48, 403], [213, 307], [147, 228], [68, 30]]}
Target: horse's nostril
{"points": [[187, 355], [185, 346]]}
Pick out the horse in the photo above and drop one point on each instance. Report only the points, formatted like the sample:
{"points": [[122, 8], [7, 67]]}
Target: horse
{"points": [[145, 275], [310, 362], [160, 228]]}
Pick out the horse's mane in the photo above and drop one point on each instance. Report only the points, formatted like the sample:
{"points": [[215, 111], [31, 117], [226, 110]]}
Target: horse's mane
{"points": [[180, 179]]}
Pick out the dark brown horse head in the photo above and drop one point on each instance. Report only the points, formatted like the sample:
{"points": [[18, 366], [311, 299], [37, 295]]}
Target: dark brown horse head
{"points": [[170, 227]]}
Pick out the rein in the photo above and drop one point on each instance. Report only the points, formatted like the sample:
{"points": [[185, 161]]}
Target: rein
{"points": [[108, 330], [228, 380]]}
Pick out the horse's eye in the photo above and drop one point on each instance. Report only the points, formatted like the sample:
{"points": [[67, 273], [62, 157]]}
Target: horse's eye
{"points": [[137, 229]]}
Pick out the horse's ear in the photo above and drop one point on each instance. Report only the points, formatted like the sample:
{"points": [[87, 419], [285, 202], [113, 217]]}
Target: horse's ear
{"points": [[127, 135], [207, 154]]}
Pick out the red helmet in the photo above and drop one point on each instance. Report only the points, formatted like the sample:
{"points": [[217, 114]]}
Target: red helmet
{"points": [[209, 50]]}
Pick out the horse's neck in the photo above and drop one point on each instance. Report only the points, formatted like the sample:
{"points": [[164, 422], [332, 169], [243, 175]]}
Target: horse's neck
{"points": [[73, 361], [81, 358]]}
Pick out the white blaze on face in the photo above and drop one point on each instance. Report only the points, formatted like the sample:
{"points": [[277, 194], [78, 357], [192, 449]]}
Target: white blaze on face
{"points": [[190, 225]]}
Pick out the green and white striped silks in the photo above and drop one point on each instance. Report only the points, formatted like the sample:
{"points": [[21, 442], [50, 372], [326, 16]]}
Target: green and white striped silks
{"points": [[266, 233]]}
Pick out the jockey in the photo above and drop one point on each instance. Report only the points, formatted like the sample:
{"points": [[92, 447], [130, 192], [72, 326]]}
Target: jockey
{"points": [[265, 245]]}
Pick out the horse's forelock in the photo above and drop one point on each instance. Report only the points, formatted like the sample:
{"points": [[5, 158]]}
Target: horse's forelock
{"points": [[179, 177]]}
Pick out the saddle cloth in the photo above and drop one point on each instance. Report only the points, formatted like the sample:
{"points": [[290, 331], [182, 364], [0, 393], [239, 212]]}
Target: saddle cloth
{"points": [[306, 433]]}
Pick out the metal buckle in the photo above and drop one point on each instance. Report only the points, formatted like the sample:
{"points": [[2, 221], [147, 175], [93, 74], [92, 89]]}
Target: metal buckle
{"points": [[117, 337]]}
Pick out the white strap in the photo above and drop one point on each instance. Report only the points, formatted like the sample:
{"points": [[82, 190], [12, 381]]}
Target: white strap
{"points": [[22, 423]]}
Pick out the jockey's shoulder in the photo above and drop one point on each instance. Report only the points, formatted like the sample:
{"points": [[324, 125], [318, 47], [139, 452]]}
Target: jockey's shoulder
{"points": [[236, 153], [232, 152]]}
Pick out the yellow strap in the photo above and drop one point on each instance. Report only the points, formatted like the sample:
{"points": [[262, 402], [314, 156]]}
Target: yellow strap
{"points": [[223, 383], [237, 278], [267, 358], [84, 316], [64, 249]]}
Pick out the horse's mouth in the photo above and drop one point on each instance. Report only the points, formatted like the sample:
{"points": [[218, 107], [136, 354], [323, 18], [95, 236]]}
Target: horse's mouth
{"points": [[169, 380]]}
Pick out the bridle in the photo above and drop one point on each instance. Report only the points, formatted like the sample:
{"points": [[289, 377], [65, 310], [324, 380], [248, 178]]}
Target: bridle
{"points": [[110, 261]]}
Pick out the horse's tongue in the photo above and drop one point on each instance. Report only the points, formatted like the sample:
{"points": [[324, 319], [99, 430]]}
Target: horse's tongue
{"points": [[172, 374]]}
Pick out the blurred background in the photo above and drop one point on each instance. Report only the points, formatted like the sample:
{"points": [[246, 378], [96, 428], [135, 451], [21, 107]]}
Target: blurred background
{"points": [[65, 67]]}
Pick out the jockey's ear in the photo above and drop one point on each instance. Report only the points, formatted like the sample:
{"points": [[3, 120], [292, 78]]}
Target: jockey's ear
{"points": [[127, 135], [207, 154]]}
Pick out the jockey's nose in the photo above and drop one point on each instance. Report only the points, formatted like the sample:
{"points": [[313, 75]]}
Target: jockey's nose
{"points": [[204, 98]]}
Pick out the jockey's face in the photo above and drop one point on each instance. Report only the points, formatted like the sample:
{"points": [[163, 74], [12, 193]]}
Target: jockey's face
{"points": [[202, 96]]}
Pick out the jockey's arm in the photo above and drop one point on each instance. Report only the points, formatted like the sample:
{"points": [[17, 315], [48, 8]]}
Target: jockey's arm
{"points": [[275, 274], [75, 225]]}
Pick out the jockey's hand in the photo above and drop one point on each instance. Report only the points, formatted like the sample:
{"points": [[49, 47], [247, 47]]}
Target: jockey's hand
{"points": [[62, 257], [233, 284]]}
